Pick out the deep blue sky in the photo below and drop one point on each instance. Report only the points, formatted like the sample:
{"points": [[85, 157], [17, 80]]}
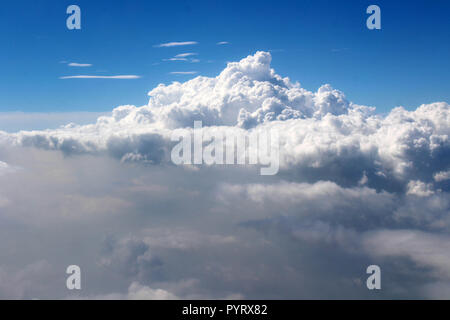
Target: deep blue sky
{"points": [[314, 42]]}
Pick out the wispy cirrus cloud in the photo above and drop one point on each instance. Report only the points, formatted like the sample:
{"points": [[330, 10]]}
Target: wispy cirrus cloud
{"points": [[183, 57], [176, 44], [175, 59], [75, 64], [221, 43], [132, 76], [183, 72], [186, 54]]}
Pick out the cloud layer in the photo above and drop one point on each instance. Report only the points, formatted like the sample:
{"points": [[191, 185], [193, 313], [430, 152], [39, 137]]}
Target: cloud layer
{"points": [[354, 187]]}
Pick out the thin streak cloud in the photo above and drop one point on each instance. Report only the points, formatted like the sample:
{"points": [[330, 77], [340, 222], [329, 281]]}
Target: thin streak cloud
{"points": [[175, 59], [184, 55], [183, 72], [101, 77], [74, 64], [176, 44]]}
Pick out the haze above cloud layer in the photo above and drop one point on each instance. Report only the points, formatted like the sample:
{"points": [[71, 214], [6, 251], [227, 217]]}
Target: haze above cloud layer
{"points": [[355, 188]]}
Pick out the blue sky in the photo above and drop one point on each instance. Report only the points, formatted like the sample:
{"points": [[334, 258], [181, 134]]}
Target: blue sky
{"points": [[314, 42]]}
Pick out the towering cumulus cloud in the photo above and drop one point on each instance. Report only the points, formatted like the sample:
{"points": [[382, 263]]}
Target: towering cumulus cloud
{"points": [[354, 188]]}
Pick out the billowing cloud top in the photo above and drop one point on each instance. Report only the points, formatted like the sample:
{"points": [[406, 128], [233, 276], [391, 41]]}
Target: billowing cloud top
{"points": [[244, 94]]}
